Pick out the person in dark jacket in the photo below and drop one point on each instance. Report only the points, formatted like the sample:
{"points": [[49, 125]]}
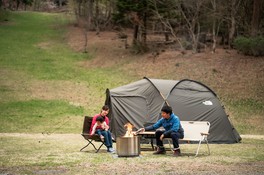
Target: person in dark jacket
{"points": [[173, 129]]}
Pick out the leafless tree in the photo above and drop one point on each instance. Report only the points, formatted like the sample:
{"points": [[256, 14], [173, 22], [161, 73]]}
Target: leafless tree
{"points": [[191, 11], [255, 22], [232, 20], [165, 21], [92, 15], [217, 20]]}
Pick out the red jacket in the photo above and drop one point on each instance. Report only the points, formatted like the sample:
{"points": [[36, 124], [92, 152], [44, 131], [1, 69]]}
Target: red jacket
{"points": [[94, 121]]}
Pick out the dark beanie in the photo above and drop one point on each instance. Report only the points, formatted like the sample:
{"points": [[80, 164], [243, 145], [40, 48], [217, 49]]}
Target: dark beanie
{"points": [[166, 109]]}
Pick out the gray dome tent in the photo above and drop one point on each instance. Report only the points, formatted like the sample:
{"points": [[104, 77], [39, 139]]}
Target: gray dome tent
{"points": [[140, 103]]}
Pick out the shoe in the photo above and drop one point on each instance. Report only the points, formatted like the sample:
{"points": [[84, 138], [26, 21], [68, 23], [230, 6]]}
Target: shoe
{"points": [[160, 151], [177, 152], [110, 150]]}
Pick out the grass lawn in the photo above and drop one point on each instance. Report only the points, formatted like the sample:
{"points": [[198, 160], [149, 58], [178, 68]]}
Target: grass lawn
{"points": [[42, 86], [59, 154]]}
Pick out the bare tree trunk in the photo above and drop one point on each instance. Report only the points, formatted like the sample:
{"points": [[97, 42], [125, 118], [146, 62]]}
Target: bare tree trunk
{"points": [[17, 4], [214, 25], [232, 28], [255, 17], [137, 22], [192, 22], [108, 14], [231, 31], [79, 8], [88, 23], [135, 35], [195, 37], [85, 40], [96, 20], [214, 38], [144, 29], [60, 3]]}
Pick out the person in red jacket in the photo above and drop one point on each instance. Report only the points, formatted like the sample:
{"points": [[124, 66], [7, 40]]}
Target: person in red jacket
{"points": [[106, 133], [104, 127]]}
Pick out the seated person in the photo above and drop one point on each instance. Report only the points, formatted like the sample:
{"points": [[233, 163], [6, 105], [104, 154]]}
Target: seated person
{"points": [[102, 126], [106, 133], [173, 130]]}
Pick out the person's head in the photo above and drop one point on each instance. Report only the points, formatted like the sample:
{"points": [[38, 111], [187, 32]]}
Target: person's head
{"points": [[105, 110], [166, 111], [99, 120]]}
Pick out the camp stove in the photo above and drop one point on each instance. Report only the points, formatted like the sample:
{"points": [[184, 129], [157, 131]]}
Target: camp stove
{"points": [[129, 144]]}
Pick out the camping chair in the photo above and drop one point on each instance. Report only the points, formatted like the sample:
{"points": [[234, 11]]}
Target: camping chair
{"points": [[87, 136]]}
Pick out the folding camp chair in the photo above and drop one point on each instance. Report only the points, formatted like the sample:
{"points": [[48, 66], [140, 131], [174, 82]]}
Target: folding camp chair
{"points": [[87, 136]]}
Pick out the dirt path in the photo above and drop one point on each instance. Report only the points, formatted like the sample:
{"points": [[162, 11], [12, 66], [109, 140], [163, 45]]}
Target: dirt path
{"points": [[260, 137]]}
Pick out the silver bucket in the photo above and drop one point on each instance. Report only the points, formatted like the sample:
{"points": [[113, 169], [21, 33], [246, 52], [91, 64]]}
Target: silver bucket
{"points": [[128, 146]]}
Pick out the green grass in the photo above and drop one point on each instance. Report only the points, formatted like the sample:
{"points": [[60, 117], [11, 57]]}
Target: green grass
{"points": [[39, 116], [21, 54], [22, 50], [33, 154], [33, 50], [248, 116]]}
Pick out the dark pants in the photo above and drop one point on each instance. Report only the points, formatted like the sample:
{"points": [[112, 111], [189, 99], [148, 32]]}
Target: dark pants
{"points": [[175, 136], [107, 137], [99, 132]]}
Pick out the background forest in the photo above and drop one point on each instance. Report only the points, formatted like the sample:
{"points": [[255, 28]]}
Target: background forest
{"points": [[185, 24]]}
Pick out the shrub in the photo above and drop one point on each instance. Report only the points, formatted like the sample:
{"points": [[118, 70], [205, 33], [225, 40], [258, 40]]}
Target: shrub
{"points": [[4, 14], [139, 47], [250, 46]]}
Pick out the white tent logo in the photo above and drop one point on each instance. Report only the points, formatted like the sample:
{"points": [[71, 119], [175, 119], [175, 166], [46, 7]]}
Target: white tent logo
{"points": [[208, 103]]}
